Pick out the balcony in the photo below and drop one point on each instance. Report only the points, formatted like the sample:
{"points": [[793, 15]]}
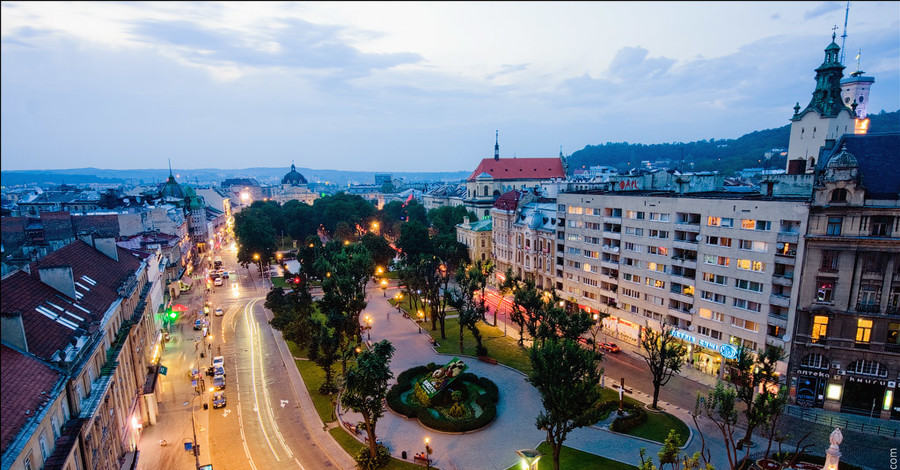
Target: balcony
{"points": [[779, 301], [777, 321], [610, 219], [609, 264], [684, 262], [612, 235], [788, 237], [784, 259], [610, 249], [786, 281], [868, 308], [685, 243]]}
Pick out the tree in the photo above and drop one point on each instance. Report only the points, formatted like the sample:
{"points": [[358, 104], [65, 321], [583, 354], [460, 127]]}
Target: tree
{"points": [[324, 348], [748, 376], [671, 454], [414, 241], [444, 219], [292, 313], [566, 376], [365, 387], [471, 279], [381, 250], [255, 234], [507, 287], [720, 407], [664, 354]]}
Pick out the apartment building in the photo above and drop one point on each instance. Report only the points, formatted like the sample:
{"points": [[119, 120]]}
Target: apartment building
{"points": [[78, 318], [846, 355], [717, 266], [477, 238]]}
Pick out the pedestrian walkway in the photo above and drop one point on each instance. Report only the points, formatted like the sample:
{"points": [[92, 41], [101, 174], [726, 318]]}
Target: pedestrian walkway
{"points": [[493, 447]]}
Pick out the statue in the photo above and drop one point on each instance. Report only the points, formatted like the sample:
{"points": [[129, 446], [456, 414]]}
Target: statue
{"points": [[833, 454]]}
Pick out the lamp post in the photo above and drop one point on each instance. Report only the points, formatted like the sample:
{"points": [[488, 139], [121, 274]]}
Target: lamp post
{"points": [[369, 327], [530, 458], [258, 264], [427, 453]]}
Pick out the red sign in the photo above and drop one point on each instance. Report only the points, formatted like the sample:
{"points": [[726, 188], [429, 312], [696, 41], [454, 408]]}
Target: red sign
{"points": [[630, 184]]}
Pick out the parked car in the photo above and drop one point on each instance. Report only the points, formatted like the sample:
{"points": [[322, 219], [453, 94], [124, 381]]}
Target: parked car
{"points": [[219, 361], [198, 324], [219, 312], [219, 400], [218, 282], [219, 382], [215, 370], [611, 347]]}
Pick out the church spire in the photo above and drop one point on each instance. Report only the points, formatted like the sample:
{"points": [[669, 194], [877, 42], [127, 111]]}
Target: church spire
{"points": [[170, 167], [496, 145], [827, 99]]}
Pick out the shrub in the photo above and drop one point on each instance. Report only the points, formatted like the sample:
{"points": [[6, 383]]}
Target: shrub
{"points": [[638, 417], [364, 461], [432, 367], [409, 374], [490, 389]]}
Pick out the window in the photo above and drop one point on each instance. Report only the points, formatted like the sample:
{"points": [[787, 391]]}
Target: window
{"points": [[573, 251], [863, 330], [752, 224], [715, 278], [744, 324], [658, 234], [750, 265], [825, 290], [748, 285], [834, 226], [591, 240], [819, 329], [830, 260], [750, 245], [639, 215], [745, 304], [718, 260], [659, 217], [631, 293], [27, 463], [814, 361], [874, 262], [591, 254], [869, 296], [631, 278], [656, 267], [654, 299], [839, 195], [868, 368], [638, 232], [658, 250], [45, 452], [718, 241], [710, 315], [576, 210], [893, 335], [712, 297], [632, 247], [631, 262], [881, 226], [719, 222], [655, 283]]}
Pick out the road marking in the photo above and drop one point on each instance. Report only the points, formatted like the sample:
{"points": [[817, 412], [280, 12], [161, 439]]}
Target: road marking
{"points": [[226, 412], [267, 396], [250, 327], [283, 402]]}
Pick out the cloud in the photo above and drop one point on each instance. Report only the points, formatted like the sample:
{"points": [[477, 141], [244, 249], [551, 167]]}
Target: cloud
{"points": [[293, 44], [631, 63], [507, 69], [822, 9]]}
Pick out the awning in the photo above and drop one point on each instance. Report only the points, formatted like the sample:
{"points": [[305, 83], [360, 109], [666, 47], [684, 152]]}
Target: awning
{"points": [[187, 280]]}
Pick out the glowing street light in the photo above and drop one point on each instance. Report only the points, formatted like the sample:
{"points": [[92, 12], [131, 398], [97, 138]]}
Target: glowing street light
{"points": [[530, 458]]}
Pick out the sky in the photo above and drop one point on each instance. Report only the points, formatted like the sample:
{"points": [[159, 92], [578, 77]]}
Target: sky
{"points": [[408, 86]]}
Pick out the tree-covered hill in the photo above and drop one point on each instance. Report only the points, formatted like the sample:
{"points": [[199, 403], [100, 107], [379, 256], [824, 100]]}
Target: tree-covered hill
{"points": [[723, 155]]}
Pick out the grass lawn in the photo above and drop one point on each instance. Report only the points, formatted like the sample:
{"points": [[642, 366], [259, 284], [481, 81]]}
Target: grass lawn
{"points": [[574, 458], [313, 377], [279, 282], [657, 428], [502, 348], [352, 446]]}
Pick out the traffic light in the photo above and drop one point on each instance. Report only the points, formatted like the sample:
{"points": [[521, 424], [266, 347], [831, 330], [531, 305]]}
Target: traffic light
{"points": [[173, 315]]}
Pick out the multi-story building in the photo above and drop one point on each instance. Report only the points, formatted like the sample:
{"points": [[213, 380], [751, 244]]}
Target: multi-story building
{"points": [[717, 266], [477, 238], [846, 353], [81, 314]]}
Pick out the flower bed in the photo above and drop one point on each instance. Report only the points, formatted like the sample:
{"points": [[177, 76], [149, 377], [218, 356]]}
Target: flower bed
{"points": [[467, 404]]}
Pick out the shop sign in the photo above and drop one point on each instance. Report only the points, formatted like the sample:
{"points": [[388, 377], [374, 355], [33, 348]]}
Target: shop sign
{"points": [[813, 373], [726, 350], [863, 380]]}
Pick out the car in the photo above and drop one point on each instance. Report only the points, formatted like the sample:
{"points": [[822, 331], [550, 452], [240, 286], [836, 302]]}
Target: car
{"points": [[219, 312], [219, 400], [219, 382], [611, 347], [218, 282], [219, 361], [219, 370], [224, 274], [198, 324]]}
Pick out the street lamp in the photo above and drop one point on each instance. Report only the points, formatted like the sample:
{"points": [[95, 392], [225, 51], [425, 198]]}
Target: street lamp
{"points": [[530, 458], [369, 327], [427, 453], [384, 286]]}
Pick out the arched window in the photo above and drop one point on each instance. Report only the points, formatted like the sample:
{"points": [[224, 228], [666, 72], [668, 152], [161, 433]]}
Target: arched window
{"points": [[839, 195], [485, 190], [863, 367], [814, 361]]}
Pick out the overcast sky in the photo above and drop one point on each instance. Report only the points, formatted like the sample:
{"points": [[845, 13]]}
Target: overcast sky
{"points": [[408, 86]]}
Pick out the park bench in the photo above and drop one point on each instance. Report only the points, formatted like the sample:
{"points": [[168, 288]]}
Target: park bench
{"points": [[419, 458], [489, 360], [351, 427]]}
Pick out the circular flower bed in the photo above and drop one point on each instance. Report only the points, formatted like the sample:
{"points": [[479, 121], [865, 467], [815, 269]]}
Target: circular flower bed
{"points": [[466, 404]]}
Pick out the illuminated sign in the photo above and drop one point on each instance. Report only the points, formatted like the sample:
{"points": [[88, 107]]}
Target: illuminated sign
{"points": [[726, 350], [629, 184]]}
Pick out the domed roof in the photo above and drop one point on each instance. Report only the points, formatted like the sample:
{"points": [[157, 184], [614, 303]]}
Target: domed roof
{"points": [[171, 188], [293, 177], [842, 159]]}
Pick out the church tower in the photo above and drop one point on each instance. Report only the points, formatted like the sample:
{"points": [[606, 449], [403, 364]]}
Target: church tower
{"points": [[826, 117], [855, 89], [497, 145]]}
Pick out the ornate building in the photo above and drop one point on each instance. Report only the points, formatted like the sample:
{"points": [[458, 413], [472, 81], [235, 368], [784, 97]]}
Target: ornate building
{"points": [[294, 187]]}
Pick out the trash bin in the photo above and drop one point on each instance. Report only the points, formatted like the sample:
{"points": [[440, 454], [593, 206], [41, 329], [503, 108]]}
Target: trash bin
{"points": [[403, 454], [206, 406]]}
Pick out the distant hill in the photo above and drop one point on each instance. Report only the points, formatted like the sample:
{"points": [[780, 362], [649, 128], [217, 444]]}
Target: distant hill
{"points": [[725, 155]]}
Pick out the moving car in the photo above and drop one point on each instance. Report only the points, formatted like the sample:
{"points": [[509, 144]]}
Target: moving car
{"points": [[611, 347], [219, 312], [218, 282], [219, 361], [198, 324], [219, 382], [219, 400]]}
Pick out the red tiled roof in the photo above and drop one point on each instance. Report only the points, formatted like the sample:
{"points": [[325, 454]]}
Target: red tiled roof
{"points": [[26, 383], [107, 225], [23, 293], [520, 168], [57, 225], [508, 201]]}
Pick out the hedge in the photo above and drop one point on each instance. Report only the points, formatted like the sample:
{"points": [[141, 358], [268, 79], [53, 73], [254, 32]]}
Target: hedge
{"points": [[624, 424]]}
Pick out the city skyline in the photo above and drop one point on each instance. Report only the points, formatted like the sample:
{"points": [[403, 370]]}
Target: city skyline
{"points": [[409, 87]]}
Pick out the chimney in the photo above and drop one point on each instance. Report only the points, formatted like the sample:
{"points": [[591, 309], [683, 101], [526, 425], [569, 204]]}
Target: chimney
{"points": [[107, 246], [60, 278], [466, 221], [13, 331]]}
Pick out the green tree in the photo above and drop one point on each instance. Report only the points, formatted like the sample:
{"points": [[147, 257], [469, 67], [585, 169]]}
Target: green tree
{"points": [[292, 313], [470, 279], [670, 454], [365, 387], [324, 347], [255, 235], [414, 241], [720, 406], [415, 212], [750, 373], [664, 354], [299, 220], [567, 376], [307, 254], [444, 219]]}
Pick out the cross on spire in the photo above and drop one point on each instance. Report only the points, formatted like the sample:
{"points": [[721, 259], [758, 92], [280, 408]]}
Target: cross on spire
{"points": [[834, 32]]}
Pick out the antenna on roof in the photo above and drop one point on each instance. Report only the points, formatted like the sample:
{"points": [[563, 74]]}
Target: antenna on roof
{"points": [[844, 36]]}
